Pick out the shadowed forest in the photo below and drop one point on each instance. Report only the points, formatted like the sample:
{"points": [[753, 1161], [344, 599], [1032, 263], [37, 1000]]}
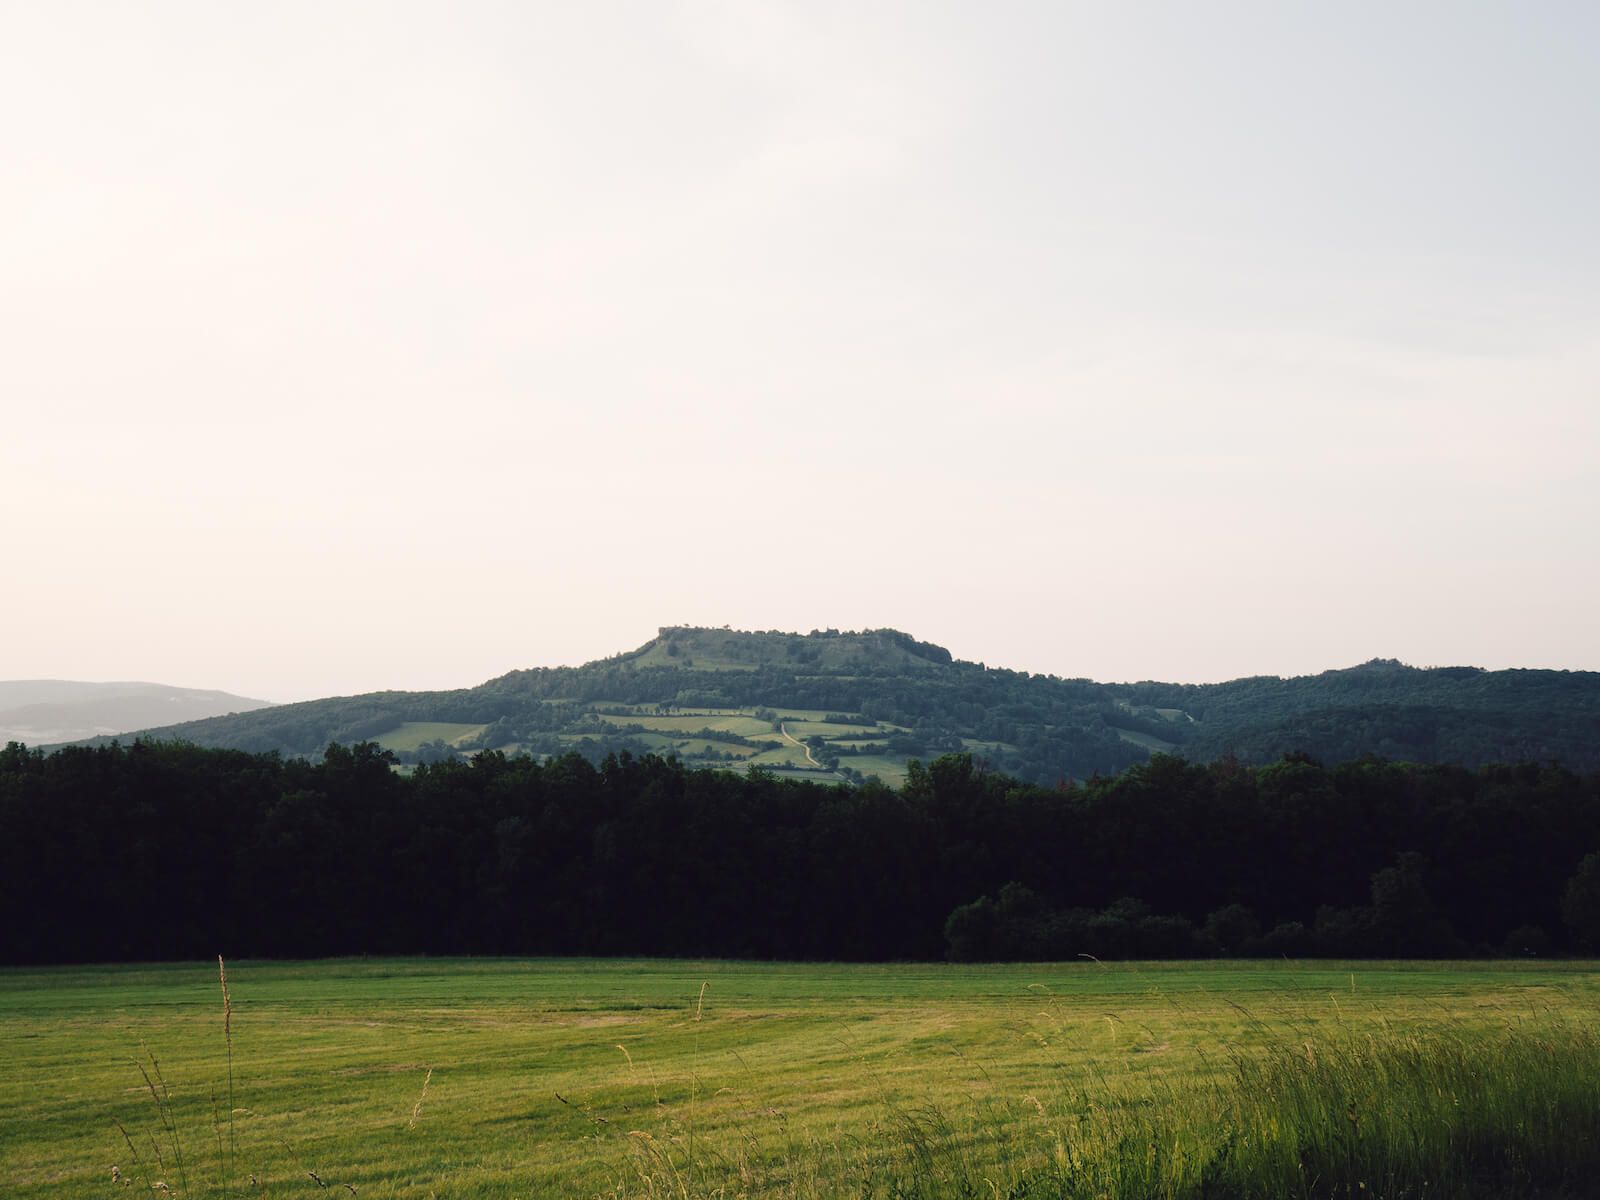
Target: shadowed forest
{"points": [[167, 851]]}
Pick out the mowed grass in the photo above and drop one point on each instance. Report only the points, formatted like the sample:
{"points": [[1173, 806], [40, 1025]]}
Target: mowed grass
{"points": [[805, 729], [742, 725], [805, 774], [588, 1078], [693, 747], [413, 734], [889, 768], [785, 756], [1148, 741]]}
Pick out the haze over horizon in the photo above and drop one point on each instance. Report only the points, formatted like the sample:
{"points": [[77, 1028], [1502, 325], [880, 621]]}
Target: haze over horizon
{"points": [[402, 345]]}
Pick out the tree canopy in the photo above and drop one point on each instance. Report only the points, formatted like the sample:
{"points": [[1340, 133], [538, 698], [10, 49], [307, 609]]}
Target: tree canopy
{"points": [[168, 850]]}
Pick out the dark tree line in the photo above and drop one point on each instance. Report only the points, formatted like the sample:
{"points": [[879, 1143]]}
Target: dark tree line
{"points": [[168, 850]]}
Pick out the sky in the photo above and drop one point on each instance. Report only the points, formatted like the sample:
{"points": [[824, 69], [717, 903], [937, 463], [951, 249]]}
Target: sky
{"points": [[348, 346]]}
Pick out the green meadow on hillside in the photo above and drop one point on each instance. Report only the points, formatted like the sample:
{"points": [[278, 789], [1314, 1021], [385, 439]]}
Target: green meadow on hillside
{"points": [[527, 1078], [412, 734]]}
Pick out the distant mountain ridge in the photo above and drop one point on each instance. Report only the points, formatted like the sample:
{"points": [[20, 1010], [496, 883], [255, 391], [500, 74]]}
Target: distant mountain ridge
{"points": [[845, 705], [39, 711]]}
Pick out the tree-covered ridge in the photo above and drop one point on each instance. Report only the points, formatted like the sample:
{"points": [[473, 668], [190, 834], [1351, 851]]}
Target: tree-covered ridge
{"points": [[160, 851], [846, 706]]}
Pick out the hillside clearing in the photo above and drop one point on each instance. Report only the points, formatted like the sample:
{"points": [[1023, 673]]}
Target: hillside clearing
{"points": [[413, 734]]}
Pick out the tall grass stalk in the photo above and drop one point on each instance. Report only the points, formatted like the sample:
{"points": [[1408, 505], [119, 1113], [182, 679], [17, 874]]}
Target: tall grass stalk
{"points": [[416, 1109], [694, 1073], [161, 1097], [227, 1038]]}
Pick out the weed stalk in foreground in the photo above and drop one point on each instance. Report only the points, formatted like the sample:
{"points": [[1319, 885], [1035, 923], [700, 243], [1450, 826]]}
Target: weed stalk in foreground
{"points": [[227, 1038]]}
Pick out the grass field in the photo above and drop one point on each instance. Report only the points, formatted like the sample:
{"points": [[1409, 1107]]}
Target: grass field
{"points": [[744, 726], [1148, 741], [890, 769], [829, 730], [804, 774], [657, 1078], [412, 734], [785, 756]]}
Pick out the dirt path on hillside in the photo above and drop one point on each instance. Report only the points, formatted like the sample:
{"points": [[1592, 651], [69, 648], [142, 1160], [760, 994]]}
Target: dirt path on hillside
{"points": [[809, 757]]}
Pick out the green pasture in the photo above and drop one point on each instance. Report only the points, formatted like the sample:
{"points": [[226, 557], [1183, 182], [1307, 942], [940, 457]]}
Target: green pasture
{"points": [[889, 768], [662, 743], [791, 715], [590, 1078], [785, 756], [744, 726], [614, 707], [1147, 740], [699, 658], [691, 748], [820, 715], [977, 746], [829, 730], [412, 734], [805, 774]]}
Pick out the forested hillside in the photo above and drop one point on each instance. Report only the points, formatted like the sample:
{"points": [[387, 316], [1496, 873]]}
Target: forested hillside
{"points": [[836, 706]]}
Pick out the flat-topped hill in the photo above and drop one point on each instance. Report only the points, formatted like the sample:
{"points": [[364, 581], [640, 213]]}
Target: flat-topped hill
{"points": [[844, 706], [829, 650]]}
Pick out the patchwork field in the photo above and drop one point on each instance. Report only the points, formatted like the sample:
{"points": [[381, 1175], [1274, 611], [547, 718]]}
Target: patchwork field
{"points": [[795, 742], [839, 756], [420, 1078]]}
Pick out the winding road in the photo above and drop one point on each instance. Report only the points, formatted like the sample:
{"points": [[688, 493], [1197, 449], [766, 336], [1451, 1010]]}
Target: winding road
{"points": [[810, 758]]}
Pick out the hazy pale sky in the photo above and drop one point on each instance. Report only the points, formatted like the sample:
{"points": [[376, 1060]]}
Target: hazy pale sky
{"points": [[348, 346]]}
